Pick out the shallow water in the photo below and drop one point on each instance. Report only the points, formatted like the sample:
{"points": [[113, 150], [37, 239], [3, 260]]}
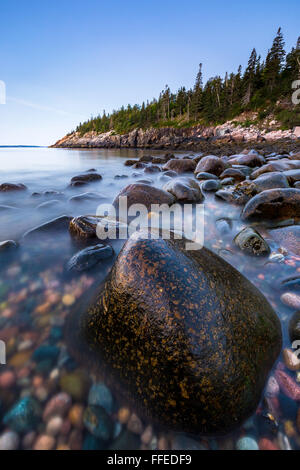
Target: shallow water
{"points": [[37, 295]]}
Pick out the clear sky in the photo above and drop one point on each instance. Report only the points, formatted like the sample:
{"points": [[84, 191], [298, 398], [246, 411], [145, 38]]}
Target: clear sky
{"points": [[65, 60]]}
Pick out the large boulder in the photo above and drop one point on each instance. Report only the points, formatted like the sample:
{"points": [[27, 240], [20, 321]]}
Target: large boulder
{"points": [[288, 237], [169, 327], [273, 180], [181, 165], [184, 189], [251, 159], [211, 164], [273, 204], [145, 194], [279, 165]]}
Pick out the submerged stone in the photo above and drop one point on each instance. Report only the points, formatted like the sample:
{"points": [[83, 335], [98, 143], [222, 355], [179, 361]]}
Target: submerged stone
{"points": [[89, 257], [250, 241], [273, 203], [184, 190], [170, 328], [24, 416]]}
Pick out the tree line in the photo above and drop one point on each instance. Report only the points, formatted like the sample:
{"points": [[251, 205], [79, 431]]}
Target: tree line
{"points": [[264, 86]]}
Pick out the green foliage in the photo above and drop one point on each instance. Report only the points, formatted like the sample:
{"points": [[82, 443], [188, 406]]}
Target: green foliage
{"points": [[259, 88]]}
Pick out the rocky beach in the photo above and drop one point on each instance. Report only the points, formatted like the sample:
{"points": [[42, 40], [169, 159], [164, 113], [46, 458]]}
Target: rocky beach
{"points": [[140, 344]]}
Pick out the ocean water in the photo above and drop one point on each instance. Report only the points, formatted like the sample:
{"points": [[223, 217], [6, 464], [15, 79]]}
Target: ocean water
{"points": [[37, 294]]}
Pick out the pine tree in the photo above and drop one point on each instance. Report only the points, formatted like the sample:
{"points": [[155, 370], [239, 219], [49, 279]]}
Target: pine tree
{"points": [[274, 61]]}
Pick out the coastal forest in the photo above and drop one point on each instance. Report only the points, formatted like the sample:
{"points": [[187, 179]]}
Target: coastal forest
{"points": [[264, 86]]}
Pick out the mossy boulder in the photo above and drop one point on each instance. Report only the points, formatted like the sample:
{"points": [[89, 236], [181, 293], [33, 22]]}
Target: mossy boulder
{"points": [[170, 327]]}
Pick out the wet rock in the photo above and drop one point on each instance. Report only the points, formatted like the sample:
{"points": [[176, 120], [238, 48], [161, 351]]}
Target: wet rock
{"points": [[171, 173], [119, 177], [184, 190], [224, 226], [58, 405], [273, 203], [239, 195], [280, 165], [164, 305], [98, 422], [144, 194], [146, 159], [288, 237], [211, 185], [24, 416], [76, 384], [211, 164], [206, 176], [272, 388], [291, 300], [152, 169], [89, 257], [228, 182], [45, 352], [250, 241], [100, 395], [287, 385], [44, 442], [271, 181], [183, 442], [135, 424], [85, 227], [9, 440], [130, 162], [180, 165], [234, 173], [126, 441], [56, 225], [139, 166], [252, 160], [294, 327], [291, 360], [87, 197], [9, 187], [48, 204], [8, 245], [86, 178], [159, 160], [246, 443]]}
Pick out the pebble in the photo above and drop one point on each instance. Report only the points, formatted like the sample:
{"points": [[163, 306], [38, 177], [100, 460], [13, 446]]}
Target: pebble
{"points": [[291, 300], [23, 416], [287, 385], [135, 424], [100, 395], [9, 441], [76, 416], [291, 360], [247, 443], [266, 444], [44, 442], [28, 440], [58, 405], [272, 389], [147, 435], [7, 379], [68, 300], [76, 384], [54, 426], [162, 443], [98, 422], [123, 415]]}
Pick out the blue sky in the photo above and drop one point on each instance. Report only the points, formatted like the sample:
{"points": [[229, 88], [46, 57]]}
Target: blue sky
{"points": [[65, 60]]}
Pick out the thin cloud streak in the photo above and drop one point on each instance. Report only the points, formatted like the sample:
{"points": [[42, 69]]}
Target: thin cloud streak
{"points": [[39, 107]]}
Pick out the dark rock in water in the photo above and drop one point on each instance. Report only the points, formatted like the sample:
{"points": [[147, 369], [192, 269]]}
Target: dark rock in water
{"points": [[250, 241], [86, 178], [228, 182], [98, 422], [87, 197], [139, 165], [159, 160], [49, 353], [89, 257], [85, 227], [180, 165], [224, 225], [171, 173], [294, 327], [146, 159], [145, 181], [170, 328], [271, 181], [75, 184], [183, 442], [126, 441], [297, 185], [5, 187], [206, 176], [8, 245], [211, 185], [120, 177], [234, 173], [273, 204], [58, 224], [24, 416], [211, 164], [144, 194], [239, 195], [251, 159], [152, 169], [184, 190], [293, 176], [48, 204], [130, 162], [280, 165], [288, 237]]}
